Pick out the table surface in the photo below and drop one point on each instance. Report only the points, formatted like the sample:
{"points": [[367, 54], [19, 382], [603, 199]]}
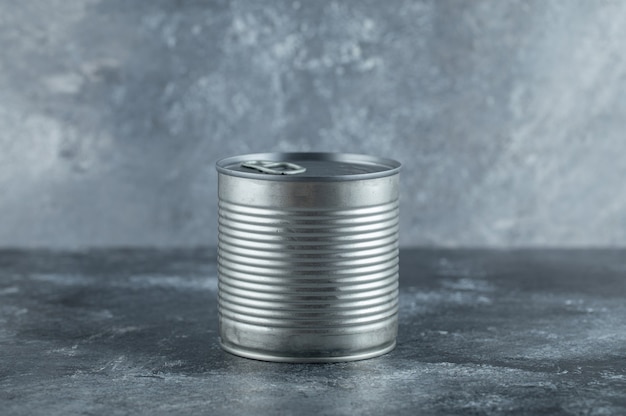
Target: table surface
{"points": [[481, 332]]}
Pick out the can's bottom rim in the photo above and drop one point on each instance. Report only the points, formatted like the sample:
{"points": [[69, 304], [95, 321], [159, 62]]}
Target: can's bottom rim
{"points": [[255, 355]]}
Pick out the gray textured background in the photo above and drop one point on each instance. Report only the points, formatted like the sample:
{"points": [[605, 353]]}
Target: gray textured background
{"points": [[509, 116]]}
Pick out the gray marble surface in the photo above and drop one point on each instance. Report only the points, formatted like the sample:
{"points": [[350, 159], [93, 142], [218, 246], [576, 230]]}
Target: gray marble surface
{"points": [[481, 332], [508, 115]]}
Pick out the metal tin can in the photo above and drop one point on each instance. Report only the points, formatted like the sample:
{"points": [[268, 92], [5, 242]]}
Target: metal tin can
{"points": [[308, 256]]}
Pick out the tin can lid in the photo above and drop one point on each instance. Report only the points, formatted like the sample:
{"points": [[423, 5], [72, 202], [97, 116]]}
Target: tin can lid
{"points": [[308, 166]]}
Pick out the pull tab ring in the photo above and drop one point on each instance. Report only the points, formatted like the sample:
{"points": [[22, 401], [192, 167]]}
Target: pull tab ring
{"points": [[274, 168]]}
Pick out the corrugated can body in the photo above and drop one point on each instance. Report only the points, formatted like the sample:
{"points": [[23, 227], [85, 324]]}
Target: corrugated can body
{"points": [[308, 262]]}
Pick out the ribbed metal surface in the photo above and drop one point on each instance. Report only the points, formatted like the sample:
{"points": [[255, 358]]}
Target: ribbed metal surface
{"points": [[298, 269], [308, 271]]}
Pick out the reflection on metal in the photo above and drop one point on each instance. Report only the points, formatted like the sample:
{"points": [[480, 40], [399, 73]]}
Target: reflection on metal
{"points": [[308, 268]]}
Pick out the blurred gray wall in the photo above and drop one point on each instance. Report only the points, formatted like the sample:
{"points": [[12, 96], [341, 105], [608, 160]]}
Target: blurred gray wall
{"points": [[509, 116]]}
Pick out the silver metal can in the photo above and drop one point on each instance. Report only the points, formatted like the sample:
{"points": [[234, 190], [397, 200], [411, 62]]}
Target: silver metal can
{"points": [[308, 256]]}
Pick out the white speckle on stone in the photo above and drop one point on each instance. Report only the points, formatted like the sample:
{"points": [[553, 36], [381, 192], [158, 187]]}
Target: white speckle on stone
{"points": [[467, 284], [176, 282], [94, 70], [239, 25], [422, 302], [153, 21], [67, 83], [369, 64], [368, 24], [610, 375], [170, 39], [484, 300], [454, 269], [61, 279], [67, 351], [102, 314], [247, 31], [287, 47], [351, 52], [125, 330], [11, 290], [504, 223], [172, 364]]}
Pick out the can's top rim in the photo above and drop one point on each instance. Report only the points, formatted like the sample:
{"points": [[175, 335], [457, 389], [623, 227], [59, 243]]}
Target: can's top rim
{"points": [[308, 166]]}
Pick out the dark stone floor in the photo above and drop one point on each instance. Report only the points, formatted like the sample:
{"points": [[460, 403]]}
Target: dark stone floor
{"points": [[481, 332]]}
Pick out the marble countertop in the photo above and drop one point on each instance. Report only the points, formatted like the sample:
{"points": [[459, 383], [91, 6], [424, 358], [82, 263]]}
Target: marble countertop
{"points": [[481, 332]]}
